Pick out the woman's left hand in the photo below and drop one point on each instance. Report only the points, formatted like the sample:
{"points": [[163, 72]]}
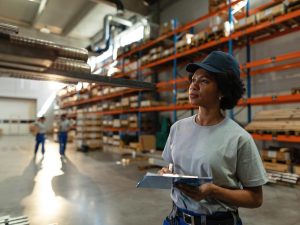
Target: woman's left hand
{"points": [[196, 193]]}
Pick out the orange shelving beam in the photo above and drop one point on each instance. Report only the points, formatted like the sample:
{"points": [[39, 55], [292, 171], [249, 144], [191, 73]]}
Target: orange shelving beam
{"points": [[116, 111], [273, 59], [282, 138], [171, 82], [280, 99], [120, 129], [167, 108], [273, 68], [99, 98]]}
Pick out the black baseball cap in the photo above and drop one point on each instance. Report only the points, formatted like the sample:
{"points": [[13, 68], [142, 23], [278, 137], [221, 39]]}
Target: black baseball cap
{"points": [[217, 62]]}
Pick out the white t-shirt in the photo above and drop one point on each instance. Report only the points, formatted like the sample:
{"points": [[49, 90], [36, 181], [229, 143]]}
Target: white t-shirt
{"points": [[64, 125], [41, 127], [224, 151]]}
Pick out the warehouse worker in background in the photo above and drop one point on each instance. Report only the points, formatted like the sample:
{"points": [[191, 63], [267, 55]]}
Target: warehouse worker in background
{"points": [[40, 130], [209, 144], [63, 126]]}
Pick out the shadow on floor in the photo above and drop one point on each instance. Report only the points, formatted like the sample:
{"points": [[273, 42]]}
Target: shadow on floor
{"points": [[14, 189]]}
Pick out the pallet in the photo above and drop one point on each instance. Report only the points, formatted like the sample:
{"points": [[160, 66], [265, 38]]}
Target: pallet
{"points": [[277, 167], [278, 114], [182, 102], [296, 169], [274, 127], [277, 161], [282, 155], [293, 5], [184, 48]]}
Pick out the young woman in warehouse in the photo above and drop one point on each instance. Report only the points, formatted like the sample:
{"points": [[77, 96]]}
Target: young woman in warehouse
{"points": [[209, 144]]}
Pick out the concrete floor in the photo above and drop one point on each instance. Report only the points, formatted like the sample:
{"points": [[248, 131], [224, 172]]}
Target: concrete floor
{"points": [[92, 189]]}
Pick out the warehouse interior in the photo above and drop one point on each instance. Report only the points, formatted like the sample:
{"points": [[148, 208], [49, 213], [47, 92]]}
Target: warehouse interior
{"points": [[111, 76]]}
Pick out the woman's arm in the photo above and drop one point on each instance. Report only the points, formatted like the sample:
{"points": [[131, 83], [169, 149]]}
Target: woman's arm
{"points": [[250, 197]]}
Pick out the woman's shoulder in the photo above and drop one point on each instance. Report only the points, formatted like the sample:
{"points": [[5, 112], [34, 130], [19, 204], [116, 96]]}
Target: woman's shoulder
{"points": [[237, 129], [184, 121]]}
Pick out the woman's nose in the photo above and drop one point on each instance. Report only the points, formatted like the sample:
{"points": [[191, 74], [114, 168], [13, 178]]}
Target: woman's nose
{"points": [[194, 86]]}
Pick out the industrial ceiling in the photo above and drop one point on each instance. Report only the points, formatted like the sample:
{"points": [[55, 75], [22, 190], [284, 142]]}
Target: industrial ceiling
{"points": [[69, 22]]}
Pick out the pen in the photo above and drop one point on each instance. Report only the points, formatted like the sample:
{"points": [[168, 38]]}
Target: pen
{"points": [[171, 167]]}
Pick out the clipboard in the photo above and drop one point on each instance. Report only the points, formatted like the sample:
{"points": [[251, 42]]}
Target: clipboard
{"points": [[166, 181]]}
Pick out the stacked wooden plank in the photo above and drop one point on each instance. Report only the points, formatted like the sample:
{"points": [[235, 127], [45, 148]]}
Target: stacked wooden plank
{"points": [[276, 122]]}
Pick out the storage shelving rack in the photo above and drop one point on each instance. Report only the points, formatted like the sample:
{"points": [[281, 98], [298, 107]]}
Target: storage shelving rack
{"points": [[263, 31]]}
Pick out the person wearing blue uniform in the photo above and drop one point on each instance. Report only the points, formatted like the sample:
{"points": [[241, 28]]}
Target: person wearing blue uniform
{"points": [[64, 126], [40, 135], [209, 144]]}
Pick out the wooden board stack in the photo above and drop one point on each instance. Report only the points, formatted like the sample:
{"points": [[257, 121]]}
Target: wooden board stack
{"points": [[280, 121]]}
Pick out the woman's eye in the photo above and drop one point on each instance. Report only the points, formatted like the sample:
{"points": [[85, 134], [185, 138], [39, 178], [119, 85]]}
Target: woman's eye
{"points": [[204, 81]]}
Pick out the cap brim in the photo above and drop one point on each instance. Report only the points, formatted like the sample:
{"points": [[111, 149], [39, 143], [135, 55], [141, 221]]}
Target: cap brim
{"points": [[192, 67]]}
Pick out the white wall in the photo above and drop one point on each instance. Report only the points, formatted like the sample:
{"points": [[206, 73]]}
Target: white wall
{"points": [[30, 89]]}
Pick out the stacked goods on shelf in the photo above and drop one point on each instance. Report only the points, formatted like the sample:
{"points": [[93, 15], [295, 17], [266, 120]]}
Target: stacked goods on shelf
{"points": [[292, 5], [199, 38], [276, 122], [277, 159], [271, 13], [245, 22], [133, 101], [216, 28], [282, 164], [267, 14], [88, 131], [167, 52], [185, 43], [215, 5], [279, 162], [167, 27], [283, 178], [182, 98], [133, 121]]}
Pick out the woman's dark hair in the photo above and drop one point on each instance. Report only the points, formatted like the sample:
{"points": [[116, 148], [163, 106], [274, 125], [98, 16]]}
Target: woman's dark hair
{"points": [[231, 87]]}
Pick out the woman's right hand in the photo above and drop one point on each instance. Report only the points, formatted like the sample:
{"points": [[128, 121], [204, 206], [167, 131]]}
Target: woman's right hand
{"points": [[164, 170]]}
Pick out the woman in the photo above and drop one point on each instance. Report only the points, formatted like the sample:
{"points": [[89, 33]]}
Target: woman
{"points": [[209, 144]]}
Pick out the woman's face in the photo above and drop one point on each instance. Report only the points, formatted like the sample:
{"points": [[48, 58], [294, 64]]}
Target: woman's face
{"points": [[203, 90]]}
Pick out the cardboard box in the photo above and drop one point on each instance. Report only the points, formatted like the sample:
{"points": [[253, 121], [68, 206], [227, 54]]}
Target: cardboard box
{"points": [[276, 167], [125, 102], [133, 98], [282, 154], [124, 123], [135, 145], [133, 125], [134, 104], [245, 22], [116, 123], [270, 12], [184, 95], [296, 169], [147, 142], [199, 38]]}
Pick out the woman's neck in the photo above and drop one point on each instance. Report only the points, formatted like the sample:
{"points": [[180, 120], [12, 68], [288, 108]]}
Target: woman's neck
{"points": [[207, 117]]}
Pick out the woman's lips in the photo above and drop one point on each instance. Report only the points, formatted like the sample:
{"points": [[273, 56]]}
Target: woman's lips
{"points": [[194, 96]]}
